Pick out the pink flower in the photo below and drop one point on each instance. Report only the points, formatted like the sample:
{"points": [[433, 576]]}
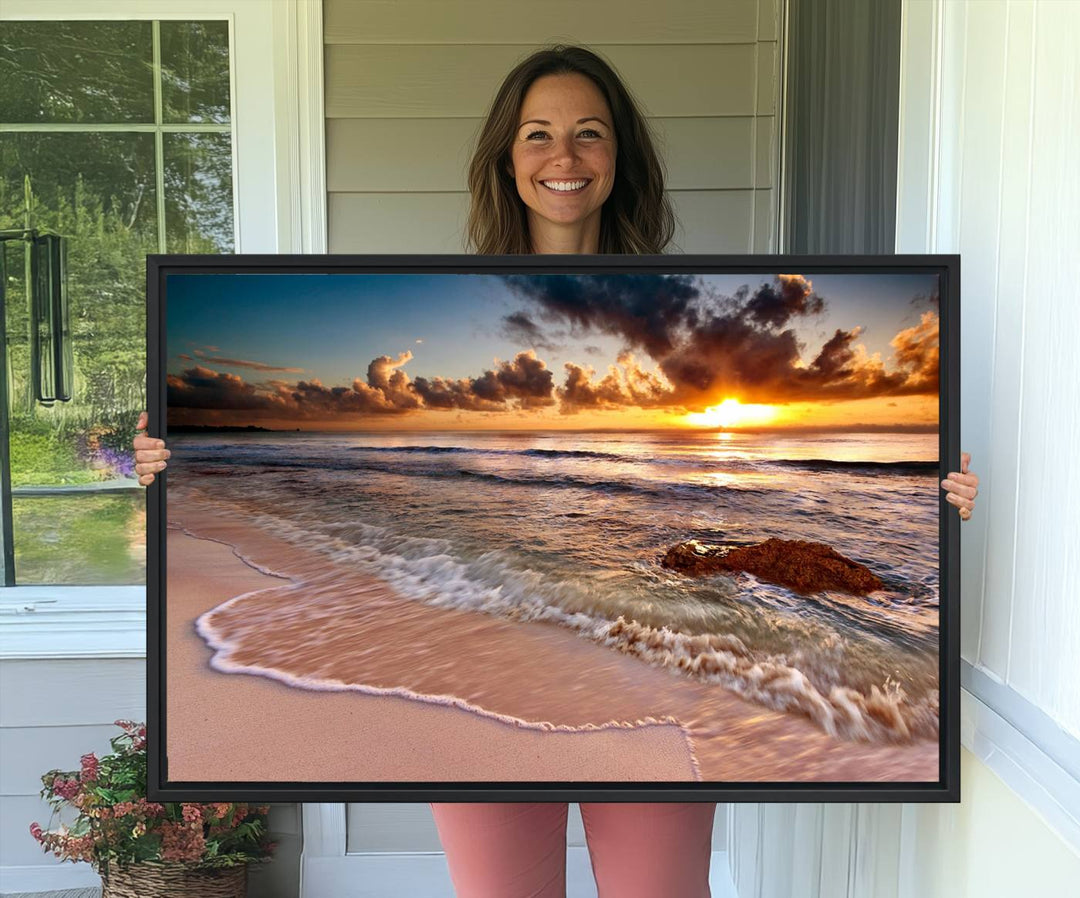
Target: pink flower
{"points": [[66, 789], [181, 841], [35, 831], [150, 808], [89, 768], [192, 813]]}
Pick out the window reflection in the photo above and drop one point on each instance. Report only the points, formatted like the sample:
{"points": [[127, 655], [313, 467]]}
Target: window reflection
{"points": [[78, 512]]}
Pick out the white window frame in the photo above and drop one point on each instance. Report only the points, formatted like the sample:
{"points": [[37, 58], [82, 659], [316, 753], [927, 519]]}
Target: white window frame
{"points": [[279, 206]]}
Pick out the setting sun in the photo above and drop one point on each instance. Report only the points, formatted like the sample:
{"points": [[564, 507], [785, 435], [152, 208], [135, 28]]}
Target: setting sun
{"points": [[732, 413]]}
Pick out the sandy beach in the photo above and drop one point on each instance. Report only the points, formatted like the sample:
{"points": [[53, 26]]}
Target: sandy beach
{"points": [[242, 727], [372, 687]]}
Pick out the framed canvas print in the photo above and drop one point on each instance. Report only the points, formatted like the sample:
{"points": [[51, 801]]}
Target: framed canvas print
{"points": [[468, 528]]}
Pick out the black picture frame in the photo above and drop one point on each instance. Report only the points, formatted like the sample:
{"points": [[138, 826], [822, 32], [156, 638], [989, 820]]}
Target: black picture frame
{"points": [[945, 789]]}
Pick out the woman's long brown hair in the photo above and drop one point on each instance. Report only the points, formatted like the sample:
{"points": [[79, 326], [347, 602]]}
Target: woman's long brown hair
{"points": [[637, 216]]}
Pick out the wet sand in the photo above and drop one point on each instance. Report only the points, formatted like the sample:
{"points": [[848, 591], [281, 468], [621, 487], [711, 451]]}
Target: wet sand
{"points": [[368, 686], [225, 727]]}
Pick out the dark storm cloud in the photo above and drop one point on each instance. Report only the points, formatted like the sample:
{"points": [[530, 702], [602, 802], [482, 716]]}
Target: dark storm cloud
{"points": [[931, 300], [707, 346], [835, 354], [773, 305], [646, 310], [522, 329], [524, 383], [727, 354], [201, 387]]}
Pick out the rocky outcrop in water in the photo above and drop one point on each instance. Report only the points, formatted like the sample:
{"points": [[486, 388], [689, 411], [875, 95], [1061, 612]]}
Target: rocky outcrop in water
{"points": [[802, 566]]}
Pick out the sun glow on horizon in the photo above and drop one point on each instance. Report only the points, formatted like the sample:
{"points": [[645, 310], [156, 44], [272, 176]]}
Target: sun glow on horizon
{"points": [[732, 413]]}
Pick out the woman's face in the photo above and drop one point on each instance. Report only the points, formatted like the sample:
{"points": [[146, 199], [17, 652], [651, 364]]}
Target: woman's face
{"points": [[563, 154]]}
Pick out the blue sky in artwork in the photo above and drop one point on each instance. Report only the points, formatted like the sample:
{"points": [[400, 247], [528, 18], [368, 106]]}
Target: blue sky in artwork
{"points": [[333, 325]]}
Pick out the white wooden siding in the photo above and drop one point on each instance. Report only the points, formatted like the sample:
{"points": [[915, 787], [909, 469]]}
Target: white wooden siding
{"points": [[460, 79], [420, 155], [477, 22], [1009, 203], [407, 85], [53, 712]]}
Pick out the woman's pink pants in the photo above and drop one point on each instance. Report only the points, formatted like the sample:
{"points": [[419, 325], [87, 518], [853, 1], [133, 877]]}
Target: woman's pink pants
{"points": [[518, 850]]}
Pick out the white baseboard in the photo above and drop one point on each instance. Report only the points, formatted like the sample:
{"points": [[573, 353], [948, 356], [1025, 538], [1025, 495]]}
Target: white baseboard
{"points": [[1007, 747]]}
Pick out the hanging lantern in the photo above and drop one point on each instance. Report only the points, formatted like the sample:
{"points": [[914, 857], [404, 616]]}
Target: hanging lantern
{"points": [[51, 360]]}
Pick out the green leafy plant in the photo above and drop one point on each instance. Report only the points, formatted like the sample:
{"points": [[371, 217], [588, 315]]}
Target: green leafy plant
{"points": [[116, 824]]}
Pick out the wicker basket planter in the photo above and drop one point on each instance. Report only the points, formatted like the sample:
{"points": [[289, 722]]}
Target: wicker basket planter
{"points": [[171, 880]]}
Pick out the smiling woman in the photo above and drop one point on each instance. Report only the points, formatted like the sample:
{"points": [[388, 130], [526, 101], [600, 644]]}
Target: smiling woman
{"points": [[564, 165], [560, 118]]}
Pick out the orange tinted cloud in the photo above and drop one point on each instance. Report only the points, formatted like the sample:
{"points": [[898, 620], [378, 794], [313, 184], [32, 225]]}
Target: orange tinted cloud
{"points": [[626, 384], [524, 383]]}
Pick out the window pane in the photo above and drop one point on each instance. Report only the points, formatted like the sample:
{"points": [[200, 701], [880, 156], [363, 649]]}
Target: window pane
{"points": [[76, 72], [195, 71], [99, 191], [81, 540], [198, 193]]}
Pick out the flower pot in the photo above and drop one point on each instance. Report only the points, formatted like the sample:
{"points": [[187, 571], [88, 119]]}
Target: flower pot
{"points": [[173, 880]]}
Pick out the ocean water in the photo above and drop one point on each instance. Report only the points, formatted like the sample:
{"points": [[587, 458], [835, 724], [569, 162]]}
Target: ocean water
{"points": [[569, 528]]}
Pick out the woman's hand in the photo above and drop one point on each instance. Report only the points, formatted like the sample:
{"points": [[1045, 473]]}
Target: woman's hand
{"points": [[962, 487], [150, 454]]}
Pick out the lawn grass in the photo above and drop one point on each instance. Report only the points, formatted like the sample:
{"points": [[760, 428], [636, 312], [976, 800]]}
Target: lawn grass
{"points": [[80, 540]]}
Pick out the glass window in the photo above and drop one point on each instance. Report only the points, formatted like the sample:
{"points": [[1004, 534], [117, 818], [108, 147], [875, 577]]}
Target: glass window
{"points": [[118, 137], [67, 72], [195, 71]]}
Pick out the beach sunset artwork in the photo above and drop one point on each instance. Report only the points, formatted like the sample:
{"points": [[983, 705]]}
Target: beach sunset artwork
{"points": [[629, 527]]}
